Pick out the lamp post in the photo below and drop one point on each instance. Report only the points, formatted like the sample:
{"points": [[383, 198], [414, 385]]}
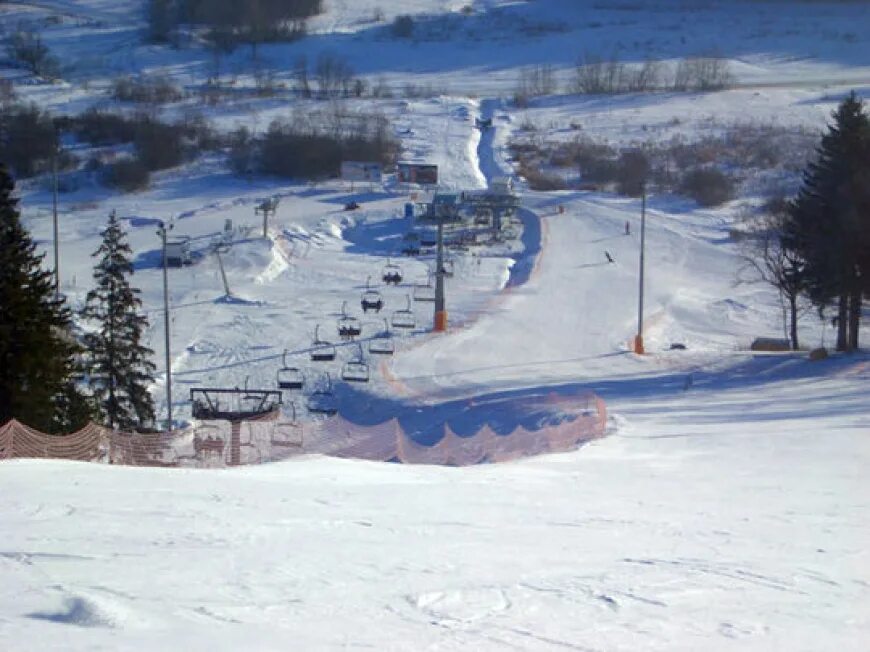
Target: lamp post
{"points": [[638, 339], [54, 221], [162, 229], [440, 324]]}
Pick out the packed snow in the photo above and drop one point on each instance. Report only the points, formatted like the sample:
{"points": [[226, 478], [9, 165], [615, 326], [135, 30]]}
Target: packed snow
{"points": [[726, 509]]}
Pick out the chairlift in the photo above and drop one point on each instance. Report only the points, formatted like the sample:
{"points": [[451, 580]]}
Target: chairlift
{"points": [[322, 400], [288, 433], [321, 350], [411, 245], [348, 326], [289, 377], [425, 292], [249, 445], [382, 343], [249, 396], [207, 441], [357, 370], [404, 317], [392, 273], [371, 299]]}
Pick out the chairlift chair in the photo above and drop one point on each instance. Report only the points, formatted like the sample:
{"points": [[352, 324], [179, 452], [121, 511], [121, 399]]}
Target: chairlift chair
{"points": [[248, 396], [404, 317], [207, 441], [322, 400], [371, 299], [382, 344], [425, 292], [392, 273], [288, 433], [321, 350], [348, 326], [411, 245], [357, 370], [289, 377]]}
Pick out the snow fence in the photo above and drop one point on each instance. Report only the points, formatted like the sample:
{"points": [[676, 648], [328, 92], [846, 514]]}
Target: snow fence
{"points": [[572, 422]]}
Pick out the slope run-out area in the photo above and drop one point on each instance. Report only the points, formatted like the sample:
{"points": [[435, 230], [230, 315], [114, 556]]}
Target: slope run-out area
{"points": [[722, 517]]}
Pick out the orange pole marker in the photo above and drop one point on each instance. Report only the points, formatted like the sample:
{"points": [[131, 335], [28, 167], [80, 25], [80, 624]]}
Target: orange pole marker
{"points": [[638, 344], [440, 321]]}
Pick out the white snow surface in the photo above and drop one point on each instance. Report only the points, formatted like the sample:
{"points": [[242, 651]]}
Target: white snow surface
{"points": [[714, 519], [729, 507]]}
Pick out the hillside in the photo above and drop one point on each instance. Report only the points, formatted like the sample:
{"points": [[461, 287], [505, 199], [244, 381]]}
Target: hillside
{"points": [[727, 507]]}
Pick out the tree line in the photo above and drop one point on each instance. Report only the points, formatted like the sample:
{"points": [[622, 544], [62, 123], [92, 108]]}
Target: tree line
{"points": [[816, 245], [54, 377], [231, 22]]}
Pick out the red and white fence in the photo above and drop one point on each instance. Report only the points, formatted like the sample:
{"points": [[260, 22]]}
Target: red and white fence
{"points": [[574, 421]]}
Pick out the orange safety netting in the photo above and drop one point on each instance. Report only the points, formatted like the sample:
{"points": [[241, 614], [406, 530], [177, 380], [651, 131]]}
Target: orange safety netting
{"points": [[220, 443]]}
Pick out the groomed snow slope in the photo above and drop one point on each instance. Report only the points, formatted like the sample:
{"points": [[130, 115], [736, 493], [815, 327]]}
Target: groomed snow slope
{"points": [[716, 519], [728, 508]]}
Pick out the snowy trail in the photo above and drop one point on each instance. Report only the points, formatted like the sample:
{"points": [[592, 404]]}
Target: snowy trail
{"points": [[522, 336], [593, 550]]}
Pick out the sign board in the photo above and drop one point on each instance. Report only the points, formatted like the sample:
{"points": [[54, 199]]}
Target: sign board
{"points": [[360, 171], [422, 173]]}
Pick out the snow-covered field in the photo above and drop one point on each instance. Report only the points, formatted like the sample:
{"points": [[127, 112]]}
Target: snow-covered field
{"points": [[728, 507]]}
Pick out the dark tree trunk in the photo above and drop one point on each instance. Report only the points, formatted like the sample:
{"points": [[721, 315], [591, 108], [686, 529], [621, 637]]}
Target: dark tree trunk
{"points": [[842, 322], [793, 316], [854, 317]]}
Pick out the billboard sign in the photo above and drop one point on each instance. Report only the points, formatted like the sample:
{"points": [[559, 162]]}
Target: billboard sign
{"points": [[424, 174], [361, 171]]}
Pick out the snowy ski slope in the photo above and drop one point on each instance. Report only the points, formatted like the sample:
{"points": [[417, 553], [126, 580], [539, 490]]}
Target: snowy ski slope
{"points": [[727, 509]]}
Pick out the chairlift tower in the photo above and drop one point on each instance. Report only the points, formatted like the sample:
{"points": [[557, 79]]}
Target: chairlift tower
{"points": [[266, 207]]}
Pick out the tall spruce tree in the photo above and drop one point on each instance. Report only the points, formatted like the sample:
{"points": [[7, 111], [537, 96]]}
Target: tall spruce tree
{"points": [[37, 350], [118, 361], [829, 220]]}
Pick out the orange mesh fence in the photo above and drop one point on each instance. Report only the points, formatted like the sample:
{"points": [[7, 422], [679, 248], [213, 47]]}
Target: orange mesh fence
{"points": [[580, 419], [220, 443]]}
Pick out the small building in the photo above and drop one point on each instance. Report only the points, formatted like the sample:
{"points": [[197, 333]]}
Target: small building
{"points": [[443, 207], [178, 251], [369, 171], [502, 186], [424, 174]]}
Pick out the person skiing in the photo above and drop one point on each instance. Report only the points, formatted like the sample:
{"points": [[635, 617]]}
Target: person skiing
{"points": [[609, 257]]}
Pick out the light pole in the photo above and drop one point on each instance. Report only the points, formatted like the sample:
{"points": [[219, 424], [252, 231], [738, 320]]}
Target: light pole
{"points": [[54, 220], [161, 231], [638, 339], [440, 324]]}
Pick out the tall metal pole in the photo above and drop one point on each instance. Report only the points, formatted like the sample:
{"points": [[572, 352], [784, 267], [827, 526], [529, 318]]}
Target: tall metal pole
{"points": [[440, 324], [638, 340], [162, 233], [54, 221]]}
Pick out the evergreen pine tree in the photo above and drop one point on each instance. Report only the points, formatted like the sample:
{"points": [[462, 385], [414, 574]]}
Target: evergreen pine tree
{"points": [[37, 350], [119, 363], [828, 220], [160, 13]]}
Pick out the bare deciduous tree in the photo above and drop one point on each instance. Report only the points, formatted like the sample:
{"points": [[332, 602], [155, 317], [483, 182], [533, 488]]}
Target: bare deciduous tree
{"points": [[767, 259]]}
